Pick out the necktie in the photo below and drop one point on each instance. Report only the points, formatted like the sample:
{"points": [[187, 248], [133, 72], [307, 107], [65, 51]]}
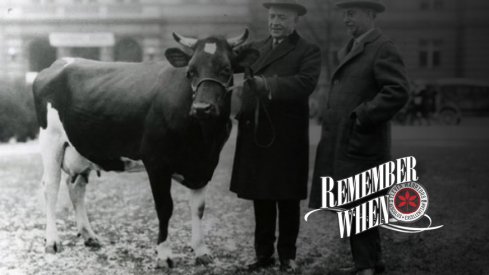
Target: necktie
{"points": [[355, 45], [350, 46], [275, 43]]}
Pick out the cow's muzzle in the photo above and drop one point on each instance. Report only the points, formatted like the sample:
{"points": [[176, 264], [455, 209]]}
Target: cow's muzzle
{"points": [[203, 110]]}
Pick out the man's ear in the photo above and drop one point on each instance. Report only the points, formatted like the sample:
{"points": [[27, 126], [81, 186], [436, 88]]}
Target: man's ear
{"points": [[177, 57], [245, 58]]}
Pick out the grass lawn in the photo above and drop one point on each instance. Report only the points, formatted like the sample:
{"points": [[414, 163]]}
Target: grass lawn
{"points": [[121, 210]]}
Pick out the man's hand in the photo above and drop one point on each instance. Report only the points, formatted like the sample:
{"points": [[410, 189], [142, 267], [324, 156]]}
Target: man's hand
{"points": [[243, 47], [357, 122], [259, 86], [259, 83]]}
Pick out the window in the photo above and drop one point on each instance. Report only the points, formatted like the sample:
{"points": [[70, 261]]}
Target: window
{"points": [[430, 53], [438, 4], [423, 59], [41, 55], [424, 4], [127, 1], [85, 1], [43, 2], [129, 50], [431, 4]]}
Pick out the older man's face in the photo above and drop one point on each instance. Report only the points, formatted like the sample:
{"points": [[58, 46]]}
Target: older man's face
{"points": [[358, 20], [281, 22]]}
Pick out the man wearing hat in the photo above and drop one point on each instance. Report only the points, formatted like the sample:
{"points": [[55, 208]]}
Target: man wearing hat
{"points": [[368, 88], [271, 158]]}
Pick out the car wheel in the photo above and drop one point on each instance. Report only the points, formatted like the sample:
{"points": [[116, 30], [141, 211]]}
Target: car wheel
{"points": [[449, 116]]}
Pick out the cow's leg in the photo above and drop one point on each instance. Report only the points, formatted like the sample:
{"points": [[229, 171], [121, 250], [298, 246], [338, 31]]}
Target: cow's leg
{"points": [[160, 180], [52, 155], [77, 195], [197, 206]]}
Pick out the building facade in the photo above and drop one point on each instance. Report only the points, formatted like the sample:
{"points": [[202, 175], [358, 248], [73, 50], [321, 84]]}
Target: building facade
{"points": [[441, 38], [33, 33], [438, 38]]}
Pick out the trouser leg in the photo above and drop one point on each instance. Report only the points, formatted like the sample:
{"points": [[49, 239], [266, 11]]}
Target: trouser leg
{"points": [[366, 250], [289, 222], [265, 220]]}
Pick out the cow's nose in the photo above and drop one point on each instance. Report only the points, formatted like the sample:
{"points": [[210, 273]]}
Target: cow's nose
{"points": [[202, 110]]}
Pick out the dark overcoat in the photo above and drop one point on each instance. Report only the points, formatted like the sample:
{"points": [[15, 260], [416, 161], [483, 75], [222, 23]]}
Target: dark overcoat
{"points": [[271, 158], [370, 84]]}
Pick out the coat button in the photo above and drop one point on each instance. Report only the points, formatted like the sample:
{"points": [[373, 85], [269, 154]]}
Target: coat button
{"points": [[336, 82]]}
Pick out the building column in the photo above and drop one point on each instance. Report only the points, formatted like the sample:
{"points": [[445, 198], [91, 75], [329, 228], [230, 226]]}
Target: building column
{"points": [[151, 49], [63, 52], [3, 53], [16, 61], [107, 54]]}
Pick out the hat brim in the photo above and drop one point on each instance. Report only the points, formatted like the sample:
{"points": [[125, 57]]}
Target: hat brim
{"points": [[301, 10], [378, 7]]}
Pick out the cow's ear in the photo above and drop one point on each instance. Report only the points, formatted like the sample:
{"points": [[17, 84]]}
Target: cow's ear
{"points": [[245, 58], [177, 57]]}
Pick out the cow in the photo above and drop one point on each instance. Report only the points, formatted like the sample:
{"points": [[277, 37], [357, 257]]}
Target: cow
{"points": [[170, 118]]}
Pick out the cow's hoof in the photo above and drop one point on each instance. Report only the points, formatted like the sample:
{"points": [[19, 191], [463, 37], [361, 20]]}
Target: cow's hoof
{"points": [[164, 258], [164, 263], [53, 248], [93, 243], [205, 259]]}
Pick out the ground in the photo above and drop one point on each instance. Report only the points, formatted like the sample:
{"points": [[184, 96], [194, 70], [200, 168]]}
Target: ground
{"points": [[121, 210]]}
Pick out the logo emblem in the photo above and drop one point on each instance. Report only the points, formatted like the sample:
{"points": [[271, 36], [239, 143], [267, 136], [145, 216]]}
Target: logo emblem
{"points": [[408, 201]]}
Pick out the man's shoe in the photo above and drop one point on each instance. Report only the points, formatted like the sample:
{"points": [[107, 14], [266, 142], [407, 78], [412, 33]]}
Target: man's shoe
{"points": [[353, 271], [261, 263], [288, 265], [367, 271], [344, 271]]}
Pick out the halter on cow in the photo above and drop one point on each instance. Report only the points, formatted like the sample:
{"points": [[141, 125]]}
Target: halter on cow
{"points": [[108, 116]]}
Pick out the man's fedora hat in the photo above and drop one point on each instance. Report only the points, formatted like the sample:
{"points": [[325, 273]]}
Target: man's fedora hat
{"points": [[290, 4], [376, 5]]}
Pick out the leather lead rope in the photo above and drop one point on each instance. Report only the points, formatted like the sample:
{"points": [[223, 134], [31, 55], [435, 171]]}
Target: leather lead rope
{"points": [[258, 106]]}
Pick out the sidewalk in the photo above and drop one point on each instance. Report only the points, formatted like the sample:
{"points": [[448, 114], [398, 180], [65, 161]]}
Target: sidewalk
{"points": [[441, 135], [427, 135]]}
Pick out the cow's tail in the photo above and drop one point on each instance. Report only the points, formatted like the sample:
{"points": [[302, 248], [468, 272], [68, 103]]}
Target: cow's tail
{"points": [[47, 87]]}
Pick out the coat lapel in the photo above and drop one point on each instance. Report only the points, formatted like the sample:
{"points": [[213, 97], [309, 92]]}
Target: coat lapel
{"points": [[344, 51], [273, 55], [346, 57], [265, 49]]}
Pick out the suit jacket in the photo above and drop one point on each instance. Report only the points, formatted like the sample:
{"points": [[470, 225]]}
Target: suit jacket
{"points": [[370, 84], [279, 170]]}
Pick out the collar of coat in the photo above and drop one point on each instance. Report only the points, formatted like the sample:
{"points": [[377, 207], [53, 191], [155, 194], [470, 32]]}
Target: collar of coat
{"points": [[269, 55], [346, 57]]}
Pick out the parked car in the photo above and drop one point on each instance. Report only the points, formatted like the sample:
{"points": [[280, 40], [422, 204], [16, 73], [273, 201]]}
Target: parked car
{"points": [[445, 101]]}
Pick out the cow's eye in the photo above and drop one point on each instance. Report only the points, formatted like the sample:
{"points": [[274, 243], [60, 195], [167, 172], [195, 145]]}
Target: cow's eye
{"points": [[226, 72], [191, 73]]}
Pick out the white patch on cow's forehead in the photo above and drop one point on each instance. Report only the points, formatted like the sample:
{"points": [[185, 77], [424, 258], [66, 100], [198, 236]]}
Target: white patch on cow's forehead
{"points": [[68, 60], [210, 48]]}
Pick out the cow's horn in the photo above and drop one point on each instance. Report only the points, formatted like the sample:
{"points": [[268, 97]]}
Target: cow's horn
{"points": [[185, 41], [236, 41]]}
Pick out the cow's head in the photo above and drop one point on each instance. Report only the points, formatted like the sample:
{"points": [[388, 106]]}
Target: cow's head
{"points": [[210, 68]]}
